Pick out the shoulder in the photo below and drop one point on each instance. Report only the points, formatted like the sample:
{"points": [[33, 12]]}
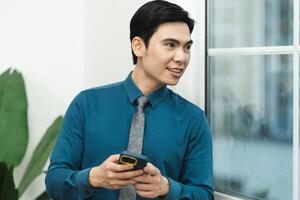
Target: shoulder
{"points": [[101, 91], [190, 113], [185, 106], [97, 94]]}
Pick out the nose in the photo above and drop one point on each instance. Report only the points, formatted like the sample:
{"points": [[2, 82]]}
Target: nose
{"points": [[180, 55]]}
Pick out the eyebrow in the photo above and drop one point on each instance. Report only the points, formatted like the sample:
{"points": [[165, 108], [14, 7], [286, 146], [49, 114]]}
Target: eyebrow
{"points": [[190, 42]]}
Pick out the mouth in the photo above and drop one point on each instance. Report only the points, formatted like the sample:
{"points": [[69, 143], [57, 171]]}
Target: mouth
{"points": [[176, 71]]}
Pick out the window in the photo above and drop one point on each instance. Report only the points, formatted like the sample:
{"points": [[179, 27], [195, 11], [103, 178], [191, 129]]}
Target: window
{"points": [[253, 96]]}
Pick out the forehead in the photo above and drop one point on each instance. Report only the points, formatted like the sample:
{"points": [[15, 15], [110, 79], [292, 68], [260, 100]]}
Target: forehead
{"points": [[173, 30]]}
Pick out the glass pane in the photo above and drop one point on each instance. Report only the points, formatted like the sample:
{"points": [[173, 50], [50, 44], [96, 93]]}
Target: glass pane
{"points": [[243, 23], [251, 117]]}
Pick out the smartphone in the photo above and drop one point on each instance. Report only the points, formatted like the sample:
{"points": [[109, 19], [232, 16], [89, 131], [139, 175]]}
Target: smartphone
{"points": [[138, 161]]}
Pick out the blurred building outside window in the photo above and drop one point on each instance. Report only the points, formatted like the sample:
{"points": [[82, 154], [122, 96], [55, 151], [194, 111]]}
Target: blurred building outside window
{"points": [[253, 97]]}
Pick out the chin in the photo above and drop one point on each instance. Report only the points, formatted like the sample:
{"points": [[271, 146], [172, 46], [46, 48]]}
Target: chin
{"points": [[172, 83]]}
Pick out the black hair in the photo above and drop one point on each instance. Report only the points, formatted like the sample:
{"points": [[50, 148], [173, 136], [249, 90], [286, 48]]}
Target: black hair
{"points": [[151, 15]]}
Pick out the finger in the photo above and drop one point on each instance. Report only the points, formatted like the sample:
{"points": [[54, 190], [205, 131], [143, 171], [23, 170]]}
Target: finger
{"points": [[128, 174], [144, 187], [143, 179], [146, 194], [121, 183], [119, 168], [151, 169], [114, 158]]}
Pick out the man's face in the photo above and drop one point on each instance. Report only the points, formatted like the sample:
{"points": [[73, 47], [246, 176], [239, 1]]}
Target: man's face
{"points": [[165, 59]]}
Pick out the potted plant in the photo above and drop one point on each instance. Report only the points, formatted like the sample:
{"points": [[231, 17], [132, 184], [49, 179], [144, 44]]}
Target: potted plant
{"points": [[14, 137]]}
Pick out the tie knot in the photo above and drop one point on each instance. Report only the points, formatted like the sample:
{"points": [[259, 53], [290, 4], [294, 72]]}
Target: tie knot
{"points": [[141, 101]]}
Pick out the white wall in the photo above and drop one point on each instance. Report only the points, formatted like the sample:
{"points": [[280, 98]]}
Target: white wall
{"points": [[107, 43], [43, 40], [62, 47]]}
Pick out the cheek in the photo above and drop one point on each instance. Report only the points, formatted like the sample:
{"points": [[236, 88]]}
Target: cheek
{"points": [[166, 56], [160, 52], [161, 58], [158, 59], [188, 59]]}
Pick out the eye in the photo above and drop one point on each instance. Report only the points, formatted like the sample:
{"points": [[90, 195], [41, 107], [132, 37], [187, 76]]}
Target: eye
{"points": [[170, 45], [188, 47]]}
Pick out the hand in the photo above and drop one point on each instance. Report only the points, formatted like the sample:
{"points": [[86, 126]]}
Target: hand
{"points": [[112, 175], [152, 184]]}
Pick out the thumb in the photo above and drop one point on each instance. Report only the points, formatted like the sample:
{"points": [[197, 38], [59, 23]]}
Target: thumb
{"points": [[151, 169], [114, 158]]}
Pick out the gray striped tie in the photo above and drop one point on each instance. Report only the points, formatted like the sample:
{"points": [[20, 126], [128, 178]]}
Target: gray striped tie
{"points": [[135, 143]]}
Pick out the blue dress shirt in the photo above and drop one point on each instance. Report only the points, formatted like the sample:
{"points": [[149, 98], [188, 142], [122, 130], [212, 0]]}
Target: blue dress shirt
{"points": [[177, 140]]}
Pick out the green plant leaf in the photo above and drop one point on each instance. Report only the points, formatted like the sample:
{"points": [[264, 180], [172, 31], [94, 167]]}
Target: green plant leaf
{"points": [[43, 196], [3, 79], [8, 190], [13, 118], [40, 155]]}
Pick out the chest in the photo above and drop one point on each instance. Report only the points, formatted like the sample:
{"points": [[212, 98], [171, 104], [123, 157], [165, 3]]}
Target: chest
{"points": [[165, 137]]}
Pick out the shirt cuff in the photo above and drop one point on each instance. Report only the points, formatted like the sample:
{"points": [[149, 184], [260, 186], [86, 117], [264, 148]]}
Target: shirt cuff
{"points": [[174, 190], [81, 179]]}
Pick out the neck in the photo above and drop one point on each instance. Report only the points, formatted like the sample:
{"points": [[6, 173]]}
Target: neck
{"points": [[144, 83]]}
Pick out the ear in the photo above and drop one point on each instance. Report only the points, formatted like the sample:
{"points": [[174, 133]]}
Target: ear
{"points": [[138, 46]]}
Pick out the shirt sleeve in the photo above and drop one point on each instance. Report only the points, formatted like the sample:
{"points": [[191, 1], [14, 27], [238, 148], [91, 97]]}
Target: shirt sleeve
{"points": [[65, 179], [196, 177]]}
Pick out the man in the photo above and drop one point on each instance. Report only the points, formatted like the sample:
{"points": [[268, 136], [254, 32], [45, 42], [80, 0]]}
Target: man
{"points": [[102, 122]]}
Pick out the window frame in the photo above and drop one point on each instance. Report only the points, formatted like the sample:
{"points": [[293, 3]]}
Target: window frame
{"points": [[293, 50]]}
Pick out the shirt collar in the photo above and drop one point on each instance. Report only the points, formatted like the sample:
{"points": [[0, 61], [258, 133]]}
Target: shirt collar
{"points": [[133, 92]]}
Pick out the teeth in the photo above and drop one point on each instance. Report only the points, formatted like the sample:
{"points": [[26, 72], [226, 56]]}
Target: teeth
{"points": [[175, 70]]}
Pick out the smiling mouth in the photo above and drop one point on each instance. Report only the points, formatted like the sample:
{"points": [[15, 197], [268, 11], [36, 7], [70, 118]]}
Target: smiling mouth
{"points": [[177, 71]]}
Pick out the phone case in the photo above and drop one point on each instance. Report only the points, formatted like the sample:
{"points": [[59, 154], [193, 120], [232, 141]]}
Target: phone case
{"points": [[139, 161]]}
